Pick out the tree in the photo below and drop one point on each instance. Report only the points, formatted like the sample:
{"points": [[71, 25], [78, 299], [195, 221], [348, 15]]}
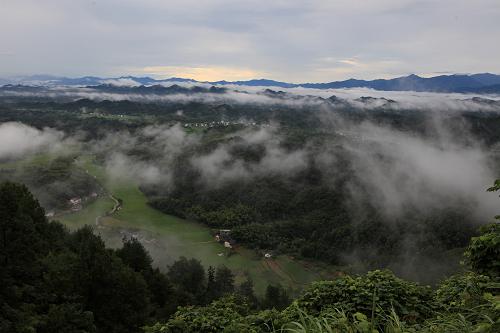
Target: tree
{"points": [[55, 281], [161, 293], [245, 289], [67, 318], [188, 278], [224, 281], [483, 252], [276, 297], [495, 188], [116, 294], [135, 255], [23, 242], [121, 299], [211, 293], [22, 222]]}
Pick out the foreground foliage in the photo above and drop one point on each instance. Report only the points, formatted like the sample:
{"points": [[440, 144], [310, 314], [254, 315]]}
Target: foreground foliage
{"points": [[375, 302], [54, 281], [464, 309]]}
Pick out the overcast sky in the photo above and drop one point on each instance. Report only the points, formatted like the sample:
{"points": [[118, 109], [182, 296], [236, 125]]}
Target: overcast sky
{"points": [[297, 41]]}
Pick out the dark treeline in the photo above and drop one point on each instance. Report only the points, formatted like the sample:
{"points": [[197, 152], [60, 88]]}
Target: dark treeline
{"points": [[55, 281], [52, 280]]}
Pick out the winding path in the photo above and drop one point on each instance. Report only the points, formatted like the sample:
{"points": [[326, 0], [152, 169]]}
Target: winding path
{"points": [[116, 206]]}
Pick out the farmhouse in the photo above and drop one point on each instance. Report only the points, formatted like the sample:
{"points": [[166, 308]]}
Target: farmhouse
{"points": [[75, 203]]}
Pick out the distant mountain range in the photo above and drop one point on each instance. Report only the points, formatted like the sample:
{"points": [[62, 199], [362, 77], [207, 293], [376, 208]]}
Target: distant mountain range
{"points": [[484, 83]]}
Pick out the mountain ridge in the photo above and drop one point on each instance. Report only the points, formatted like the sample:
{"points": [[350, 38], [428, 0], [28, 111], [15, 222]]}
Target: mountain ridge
{"points": [[476, 83]]}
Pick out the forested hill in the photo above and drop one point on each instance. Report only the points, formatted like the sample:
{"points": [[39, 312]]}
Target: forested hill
{"points": [[55, 281]]}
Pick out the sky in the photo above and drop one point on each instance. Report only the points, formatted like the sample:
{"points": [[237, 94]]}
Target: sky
{"points": [[287, 40]]}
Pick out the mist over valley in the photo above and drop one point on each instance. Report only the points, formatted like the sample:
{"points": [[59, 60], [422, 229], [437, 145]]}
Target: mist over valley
{"points": [[249, 166], [347, 177]]}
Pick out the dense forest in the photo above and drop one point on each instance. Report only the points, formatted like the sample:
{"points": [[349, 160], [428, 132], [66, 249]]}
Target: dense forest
{"points": [[70, 282], [306, 216], [315, 178]]}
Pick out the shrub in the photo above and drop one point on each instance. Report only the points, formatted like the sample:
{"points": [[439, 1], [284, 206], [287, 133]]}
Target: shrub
{"points": [[223, 313], [462, 290], [369, 294], [483, 252]]}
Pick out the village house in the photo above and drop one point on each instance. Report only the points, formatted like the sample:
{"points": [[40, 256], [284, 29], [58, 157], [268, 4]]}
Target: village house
{"points": [[76, 204], [75, 201]]}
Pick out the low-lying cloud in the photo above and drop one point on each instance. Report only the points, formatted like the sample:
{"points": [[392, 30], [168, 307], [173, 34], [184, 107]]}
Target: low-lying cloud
{"points": [[17, 139], [290, 97], [221, 165], [160, 145], [402, 171], [395, 171]]}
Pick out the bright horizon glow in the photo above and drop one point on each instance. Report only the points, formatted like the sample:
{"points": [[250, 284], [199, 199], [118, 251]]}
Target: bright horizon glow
{"points": [[201, 73]]}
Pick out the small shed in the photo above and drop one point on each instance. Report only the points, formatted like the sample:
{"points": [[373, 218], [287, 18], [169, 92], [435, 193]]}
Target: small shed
{"points": [[75, 201]]}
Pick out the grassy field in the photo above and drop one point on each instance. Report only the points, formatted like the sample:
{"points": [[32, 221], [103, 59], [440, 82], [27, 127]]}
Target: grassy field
{"points": [[168, 237]]}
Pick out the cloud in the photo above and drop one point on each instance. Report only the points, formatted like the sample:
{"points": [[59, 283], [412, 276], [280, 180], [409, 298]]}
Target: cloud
{"points": [[401, 171], [351, 62], [122, 82], [122, 167], [171, 140], [282, 39], [220, 165], [159, 146], [297, 97], [352, 67], [17, 139], [392, 169]]}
